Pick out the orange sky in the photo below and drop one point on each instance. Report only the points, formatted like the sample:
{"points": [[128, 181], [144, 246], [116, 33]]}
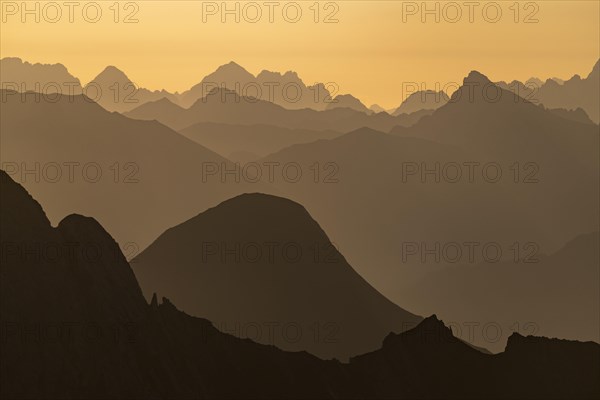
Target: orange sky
{"points": [[370, 51]]}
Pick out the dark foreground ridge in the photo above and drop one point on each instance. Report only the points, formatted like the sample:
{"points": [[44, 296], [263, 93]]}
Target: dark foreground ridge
{"points": [[76, 326]]}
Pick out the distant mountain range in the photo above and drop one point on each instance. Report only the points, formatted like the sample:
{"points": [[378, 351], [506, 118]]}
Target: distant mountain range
{"points": [[116, 92], [570, 94], [113, 89], [251, 142], [286, 90], [76, 327], [226, 106], [348, 101], [137, 177]]}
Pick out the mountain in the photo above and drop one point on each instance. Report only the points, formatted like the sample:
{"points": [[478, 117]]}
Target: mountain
{"points": [[555, 295], [576, 92], [286, 90], [114, 91], [507, 126], [534, 81], [425, 181], [228, 76], [226, 106], [348, 101], [376, 108], [422, 100], [256, 260], [137, 177], [428, 362], [577, 115], [23, 76], [76, 327], [257, 140]]}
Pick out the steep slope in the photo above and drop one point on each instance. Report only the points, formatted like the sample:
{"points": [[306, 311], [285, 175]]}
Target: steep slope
{"points": [[348, 101], [60, 304], [494, 121], [422, 100], [257, 260]]}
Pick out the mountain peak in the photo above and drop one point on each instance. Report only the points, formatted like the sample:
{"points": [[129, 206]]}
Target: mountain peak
{"points": [[432, 322], [111, 74], [348, 101], [292, 74], [430, 330], [232, 66], [476, 77]]}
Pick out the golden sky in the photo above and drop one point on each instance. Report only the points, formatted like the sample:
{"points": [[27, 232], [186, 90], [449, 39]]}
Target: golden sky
{"points": [[370, 51]]}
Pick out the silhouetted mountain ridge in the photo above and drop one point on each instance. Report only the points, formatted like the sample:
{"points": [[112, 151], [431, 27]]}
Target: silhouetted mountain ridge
{"points": [[227, 106], [156, 351]]}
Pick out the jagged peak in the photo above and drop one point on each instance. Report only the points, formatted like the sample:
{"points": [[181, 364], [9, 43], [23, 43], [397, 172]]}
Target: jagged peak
{"points": [[476, 77], [430, 329]]}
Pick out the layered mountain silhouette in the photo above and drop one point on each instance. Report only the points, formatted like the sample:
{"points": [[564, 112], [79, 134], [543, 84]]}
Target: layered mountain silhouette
{"points": [[286, 90], [376, 108], [506, 125], [576, 92], [419, 184], [256, 260], [554, 295], [114, 91], [137, 177], [348, 101], [227, 106], [251, 142], [77, 327], [577, 115], [422, 100]]}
